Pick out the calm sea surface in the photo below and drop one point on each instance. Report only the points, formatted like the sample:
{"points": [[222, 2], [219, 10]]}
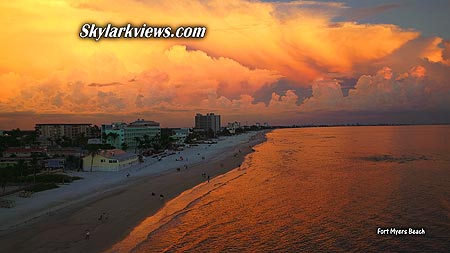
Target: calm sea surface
{"points": [[316, 189]]}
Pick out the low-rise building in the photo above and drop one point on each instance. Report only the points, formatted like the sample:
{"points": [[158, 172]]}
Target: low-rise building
{"points": [[54, 164], [6, 164], [96, 141], [232, 126], [180, 135], [69, 151], [24, 152], [109, 160]]}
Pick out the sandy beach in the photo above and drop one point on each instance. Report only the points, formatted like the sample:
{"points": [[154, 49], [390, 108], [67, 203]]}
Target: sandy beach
{"points": [[57, 220]]}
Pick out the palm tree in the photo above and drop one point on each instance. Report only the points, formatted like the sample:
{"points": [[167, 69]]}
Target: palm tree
{"points": [[124, 146], [156, 142], [93, 151], [52, 142], [166, 141], [104, 137], [139, 144], [114, 137], [147, 141]]}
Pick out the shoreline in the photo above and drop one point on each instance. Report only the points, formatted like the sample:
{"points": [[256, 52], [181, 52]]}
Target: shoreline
{"points": [[126, 205]]}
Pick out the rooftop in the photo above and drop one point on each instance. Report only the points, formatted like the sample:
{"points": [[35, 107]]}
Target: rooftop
{"points": [[64, 124], [116, 154]]}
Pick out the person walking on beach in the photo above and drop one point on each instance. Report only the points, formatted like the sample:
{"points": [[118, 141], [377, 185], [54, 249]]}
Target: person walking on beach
{"points": [[87, 235], [208, 178]]}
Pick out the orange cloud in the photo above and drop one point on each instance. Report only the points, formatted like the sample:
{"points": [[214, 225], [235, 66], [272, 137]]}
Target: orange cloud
{"points": [[46, 68]]}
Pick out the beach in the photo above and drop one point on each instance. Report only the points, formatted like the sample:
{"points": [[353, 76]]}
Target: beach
{"points": [[57, 220], [331, 189]]}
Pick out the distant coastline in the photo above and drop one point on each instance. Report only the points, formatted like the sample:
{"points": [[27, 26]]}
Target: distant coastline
{"points": [[335, 125]]}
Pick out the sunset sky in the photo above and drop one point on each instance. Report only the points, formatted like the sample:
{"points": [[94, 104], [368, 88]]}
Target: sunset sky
{"points": [[282, 62]]}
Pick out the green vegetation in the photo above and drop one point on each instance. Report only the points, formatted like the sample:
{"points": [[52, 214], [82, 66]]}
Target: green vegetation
{"points": [[158, 142], [52, 178], [42, 187], [25, 176]]}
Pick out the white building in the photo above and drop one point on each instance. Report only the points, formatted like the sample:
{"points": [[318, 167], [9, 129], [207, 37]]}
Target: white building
{"points": [[232, 126], [180, 135], [109, 160]]}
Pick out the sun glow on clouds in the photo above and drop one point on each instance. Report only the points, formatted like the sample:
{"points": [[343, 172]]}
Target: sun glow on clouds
{"points": [[46, 69]]}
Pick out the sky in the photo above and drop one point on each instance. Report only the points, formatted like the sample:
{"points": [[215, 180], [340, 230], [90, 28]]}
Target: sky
{"points": [[280, 62]]}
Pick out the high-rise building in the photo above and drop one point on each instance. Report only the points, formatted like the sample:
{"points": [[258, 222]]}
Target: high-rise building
{"points": [[210, 121], [119, 133], [48, 133]]}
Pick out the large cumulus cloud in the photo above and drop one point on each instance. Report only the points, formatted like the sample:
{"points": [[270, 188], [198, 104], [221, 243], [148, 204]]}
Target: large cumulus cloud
{"points": [[268, 61]]}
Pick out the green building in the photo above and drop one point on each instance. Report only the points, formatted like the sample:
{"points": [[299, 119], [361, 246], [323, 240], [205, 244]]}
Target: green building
{"points": [[119, 134]]}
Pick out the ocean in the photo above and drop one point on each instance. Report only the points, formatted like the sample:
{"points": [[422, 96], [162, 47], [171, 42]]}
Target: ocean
{"points": [[333, 189]]}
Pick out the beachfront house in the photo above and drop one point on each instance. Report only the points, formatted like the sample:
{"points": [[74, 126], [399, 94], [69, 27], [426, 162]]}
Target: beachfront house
{"points": [[24, 152], [109, 160], [180, 135], [54, 164]]}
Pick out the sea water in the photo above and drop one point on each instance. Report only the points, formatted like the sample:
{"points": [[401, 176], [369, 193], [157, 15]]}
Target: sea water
{"points": [[333, 189]]}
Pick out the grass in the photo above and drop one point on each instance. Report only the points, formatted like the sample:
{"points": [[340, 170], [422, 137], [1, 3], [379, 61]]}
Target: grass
{"points": [[49, 181], [52, 178], [43, 187]]}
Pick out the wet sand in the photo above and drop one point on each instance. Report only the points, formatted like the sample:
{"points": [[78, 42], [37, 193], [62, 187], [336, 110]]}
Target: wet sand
{"points": [[126, 207]]}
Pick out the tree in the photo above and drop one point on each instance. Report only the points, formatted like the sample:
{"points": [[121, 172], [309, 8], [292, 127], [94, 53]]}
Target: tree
{"points": [[30, 139], [52, 142], [225, 132], [34, 164], [114, 137], [95, 131], [210, 133], [156, 142], [192, 137], [104, 137], [80, 141], [124, 146], [66, 141], [239, 130], [93, 151], [166, 141], [138, 144], [147, 142]]}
